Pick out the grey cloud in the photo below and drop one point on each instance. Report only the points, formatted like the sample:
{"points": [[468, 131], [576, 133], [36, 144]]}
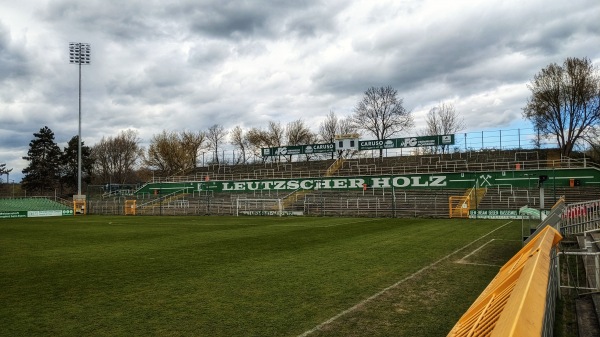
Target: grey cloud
{"points": [[456, 52], [208, 54], [13, 58], [193, 63], [240, 20], [131, 20]]}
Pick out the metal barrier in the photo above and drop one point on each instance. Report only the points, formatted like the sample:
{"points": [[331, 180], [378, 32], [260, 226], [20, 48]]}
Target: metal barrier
{"points": [[580, 217], [592, 278]]}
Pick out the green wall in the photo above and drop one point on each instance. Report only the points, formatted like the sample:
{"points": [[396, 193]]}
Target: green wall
{"points": [[517, 178]]}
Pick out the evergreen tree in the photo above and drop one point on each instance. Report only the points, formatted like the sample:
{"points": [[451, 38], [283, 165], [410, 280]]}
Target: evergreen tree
{"points": [[69, 164], [42, 173]]}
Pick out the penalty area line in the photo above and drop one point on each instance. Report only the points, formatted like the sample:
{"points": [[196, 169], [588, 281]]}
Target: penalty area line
{"points": [[395, 285]]}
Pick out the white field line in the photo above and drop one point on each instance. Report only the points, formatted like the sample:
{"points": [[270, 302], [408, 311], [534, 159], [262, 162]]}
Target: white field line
{"points": [[324, 226], [372, 297], [475, 251], [463, 260]]}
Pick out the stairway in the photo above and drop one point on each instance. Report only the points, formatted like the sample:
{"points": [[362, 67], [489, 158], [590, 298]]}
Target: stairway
{"points": [[476, 195], [164, 200], [588, 305], [461, 205]]}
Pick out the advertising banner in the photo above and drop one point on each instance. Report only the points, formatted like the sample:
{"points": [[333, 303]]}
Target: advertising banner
{"points": [[395, 143], [35, 214], [10, 215], [298, 149], [496, 214], [272, 213], [406, 142]]}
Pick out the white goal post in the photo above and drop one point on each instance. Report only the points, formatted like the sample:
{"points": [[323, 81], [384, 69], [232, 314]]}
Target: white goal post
{"points": [[258, 207]]}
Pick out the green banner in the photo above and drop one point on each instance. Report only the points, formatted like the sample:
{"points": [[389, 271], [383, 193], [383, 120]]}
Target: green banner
{"points": [[395, 143], [496, 214], [35, 214], [298, 149], [9, 215], [406, 142], [526, 179], [503, 214]]}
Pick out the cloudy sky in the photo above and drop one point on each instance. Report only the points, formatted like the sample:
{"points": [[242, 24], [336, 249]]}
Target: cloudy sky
{"points": [[186, 65]]}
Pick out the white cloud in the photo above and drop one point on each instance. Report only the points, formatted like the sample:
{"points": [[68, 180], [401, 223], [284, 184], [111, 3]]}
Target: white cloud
{"points": [[191, 64]]}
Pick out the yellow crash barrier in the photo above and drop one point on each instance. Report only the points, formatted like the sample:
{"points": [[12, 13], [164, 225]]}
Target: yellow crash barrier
{"points": [[513, 303]]}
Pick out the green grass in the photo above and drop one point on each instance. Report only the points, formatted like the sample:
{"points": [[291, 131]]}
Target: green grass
{"points": [[246, 276]]}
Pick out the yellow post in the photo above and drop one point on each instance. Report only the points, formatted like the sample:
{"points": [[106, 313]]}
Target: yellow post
{"points": [[79, 205], [130, 207]]}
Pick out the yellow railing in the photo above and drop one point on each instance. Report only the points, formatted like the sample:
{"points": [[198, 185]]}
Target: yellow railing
{"points": [[334, 167], [459, 206], [513, 303], [476, 194]]}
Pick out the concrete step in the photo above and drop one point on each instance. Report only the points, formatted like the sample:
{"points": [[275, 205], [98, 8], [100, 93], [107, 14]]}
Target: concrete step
{"points": [[596, 300], [596, 241], [587, 318]]}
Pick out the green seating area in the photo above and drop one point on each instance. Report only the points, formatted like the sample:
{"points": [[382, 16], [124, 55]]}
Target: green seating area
{"points": [[30, 204]]}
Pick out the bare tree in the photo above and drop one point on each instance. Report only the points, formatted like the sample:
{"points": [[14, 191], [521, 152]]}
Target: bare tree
{"points": [[4, 170], [443, 120], [192, 143], [115, 159], [297, 133], [333, 126], [381, 113], [239, 140], [259, 138], [174, 152], [215, 136], [346, 126], [329, 128], [592, 138], [275, 134], [565, 101]]}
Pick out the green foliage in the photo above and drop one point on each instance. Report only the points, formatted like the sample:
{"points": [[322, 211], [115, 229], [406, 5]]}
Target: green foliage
{"points": [[246, 276], [69, 163], [43, 172]]}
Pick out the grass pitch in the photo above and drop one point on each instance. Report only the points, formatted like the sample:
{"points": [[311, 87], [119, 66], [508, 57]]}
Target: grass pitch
{"points": [[244, 276]]}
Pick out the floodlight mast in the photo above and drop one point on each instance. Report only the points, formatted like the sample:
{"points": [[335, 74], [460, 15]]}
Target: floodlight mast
{"points": [[79, 53]]}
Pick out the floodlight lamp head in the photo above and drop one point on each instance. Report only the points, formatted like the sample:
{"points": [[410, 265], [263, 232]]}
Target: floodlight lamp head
{"points": [[79, 53]]}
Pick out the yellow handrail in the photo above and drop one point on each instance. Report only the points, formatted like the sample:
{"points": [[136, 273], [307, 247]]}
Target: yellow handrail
{"points": [[500, 309]]}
